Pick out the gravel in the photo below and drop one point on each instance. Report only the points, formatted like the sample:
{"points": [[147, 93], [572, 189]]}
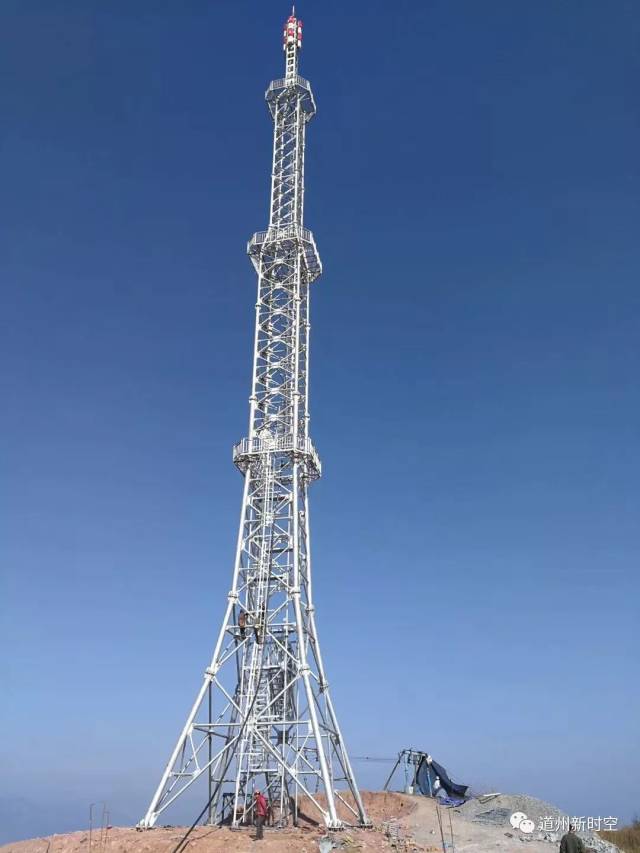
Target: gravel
{"points": [[496, 810]]}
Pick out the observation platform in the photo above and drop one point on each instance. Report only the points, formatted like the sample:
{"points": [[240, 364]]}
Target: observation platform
{"points": [[296, 85], [253, 448], [268, 241]]}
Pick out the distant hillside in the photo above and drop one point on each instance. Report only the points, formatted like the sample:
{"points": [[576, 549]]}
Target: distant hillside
{"points": [[627, 838]]}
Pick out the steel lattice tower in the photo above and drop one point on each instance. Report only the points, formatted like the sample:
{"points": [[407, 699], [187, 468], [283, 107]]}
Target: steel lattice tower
{"points": [[263, 718]]}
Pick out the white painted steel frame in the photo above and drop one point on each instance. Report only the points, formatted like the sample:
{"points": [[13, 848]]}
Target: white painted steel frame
{"points": [[263, 717]]}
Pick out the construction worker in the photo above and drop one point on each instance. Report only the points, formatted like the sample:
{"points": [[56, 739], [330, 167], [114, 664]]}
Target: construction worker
{"points": [[261, 812], [242, 624], [571, 843]]}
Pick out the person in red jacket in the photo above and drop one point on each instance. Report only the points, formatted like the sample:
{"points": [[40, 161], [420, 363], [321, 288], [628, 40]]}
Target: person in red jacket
{"points": [[261, 811]]}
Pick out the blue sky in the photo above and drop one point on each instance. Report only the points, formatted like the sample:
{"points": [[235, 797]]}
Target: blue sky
{"points": [[474, 188]]}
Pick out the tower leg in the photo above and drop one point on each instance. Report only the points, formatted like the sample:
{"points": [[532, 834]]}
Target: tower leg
{"points": [[164, 790], [340, 746]]}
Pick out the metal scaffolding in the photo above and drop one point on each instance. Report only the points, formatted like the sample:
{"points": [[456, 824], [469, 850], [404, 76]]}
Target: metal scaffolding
{"points": [[263, 718]]}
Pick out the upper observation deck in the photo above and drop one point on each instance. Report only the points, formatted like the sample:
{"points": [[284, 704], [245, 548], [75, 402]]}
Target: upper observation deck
{"points": [[294, 84]]}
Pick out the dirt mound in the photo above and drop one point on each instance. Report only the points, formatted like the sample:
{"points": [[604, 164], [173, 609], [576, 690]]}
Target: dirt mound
{"points": [[381, 807], [401, 823]]}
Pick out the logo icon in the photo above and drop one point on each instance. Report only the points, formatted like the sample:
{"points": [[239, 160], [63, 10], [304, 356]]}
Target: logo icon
{"points": [[519, 820]]}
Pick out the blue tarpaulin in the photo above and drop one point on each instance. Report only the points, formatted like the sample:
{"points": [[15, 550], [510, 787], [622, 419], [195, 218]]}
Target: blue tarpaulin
{"points": [[426, 779]]}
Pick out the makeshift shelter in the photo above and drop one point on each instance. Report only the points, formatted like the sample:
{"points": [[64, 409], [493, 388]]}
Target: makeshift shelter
{"points": [[429, 777]]}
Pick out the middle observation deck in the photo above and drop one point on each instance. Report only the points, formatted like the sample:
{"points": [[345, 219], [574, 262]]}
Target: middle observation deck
{"points": [[253, 448], [275, 240]]}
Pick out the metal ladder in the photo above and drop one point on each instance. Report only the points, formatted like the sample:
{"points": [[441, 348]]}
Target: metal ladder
{"points": [[254, 698]]}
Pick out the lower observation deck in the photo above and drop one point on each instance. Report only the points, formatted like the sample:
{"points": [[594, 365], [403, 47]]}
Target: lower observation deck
{"points": [[267, 242], [252, 448]]}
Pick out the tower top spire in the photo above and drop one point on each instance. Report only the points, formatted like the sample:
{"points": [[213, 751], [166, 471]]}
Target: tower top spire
{"points": [[292, 43]]}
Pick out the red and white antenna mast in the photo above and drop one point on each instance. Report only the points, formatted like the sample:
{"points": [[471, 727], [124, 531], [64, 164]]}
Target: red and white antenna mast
{"points": [[292, 44]]}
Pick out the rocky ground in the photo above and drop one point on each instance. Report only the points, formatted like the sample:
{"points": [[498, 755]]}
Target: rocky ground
{"points": [[401, 822]]}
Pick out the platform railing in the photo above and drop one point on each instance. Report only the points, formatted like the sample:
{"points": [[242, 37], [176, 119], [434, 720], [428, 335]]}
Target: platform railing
{"points": [[289, 232], [248, 447], [289, 81]]}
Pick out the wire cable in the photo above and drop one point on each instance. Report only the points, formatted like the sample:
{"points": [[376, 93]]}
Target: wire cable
{"points": [[370, 758]]}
